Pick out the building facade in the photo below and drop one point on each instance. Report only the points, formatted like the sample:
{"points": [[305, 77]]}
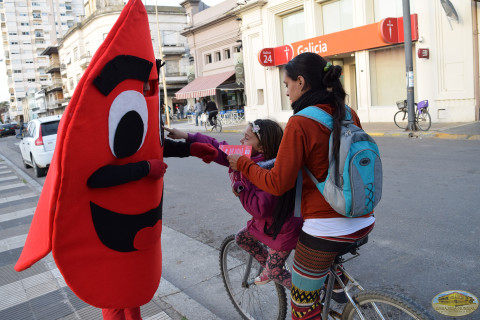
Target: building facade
{"points": [[445, 54], [28, 28], [214, 40], [78, 46]]}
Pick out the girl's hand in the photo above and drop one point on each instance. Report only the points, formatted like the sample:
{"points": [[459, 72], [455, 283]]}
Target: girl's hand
{"points": [[233, 158], [176, 134]]}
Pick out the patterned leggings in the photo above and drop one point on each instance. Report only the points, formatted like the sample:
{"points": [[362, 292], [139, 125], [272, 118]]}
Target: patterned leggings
{"points": [[272, 260], [313, 257]]}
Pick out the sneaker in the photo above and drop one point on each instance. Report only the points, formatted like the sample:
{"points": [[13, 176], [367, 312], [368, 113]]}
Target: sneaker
{"points": [[262, 278]]}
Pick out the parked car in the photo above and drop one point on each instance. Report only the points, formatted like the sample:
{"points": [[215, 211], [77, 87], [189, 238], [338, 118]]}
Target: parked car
{"points": [[38, 143], [7, 129]]}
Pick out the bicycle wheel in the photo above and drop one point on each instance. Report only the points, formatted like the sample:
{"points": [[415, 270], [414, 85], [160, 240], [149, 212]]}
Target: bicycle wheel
{"points": [[401, 119], [218, 125], [391, 305], [266, 301], [424, 121]]}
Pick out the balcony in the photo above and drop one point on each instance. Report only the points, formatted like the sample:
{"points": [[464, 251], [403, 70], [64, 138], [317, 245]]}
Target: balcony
{"points": [[173, 50], [175, 79], [85, 60], [55, 86], [53, 67]]}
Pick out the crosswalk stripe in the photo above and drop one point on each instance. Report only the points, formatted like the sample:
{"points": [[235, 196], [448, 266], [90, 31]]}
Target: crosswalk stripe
{"points": [[8, 178], [29, 288], [5, 171], [18, 197], [13, 186], [17, 214], [12, 243]]}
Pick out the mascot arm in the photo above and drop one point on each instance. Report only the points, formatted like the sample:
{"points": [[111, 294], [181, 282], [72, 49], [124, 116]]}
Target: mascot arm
{"points": [[110, 175], [177, 149]]}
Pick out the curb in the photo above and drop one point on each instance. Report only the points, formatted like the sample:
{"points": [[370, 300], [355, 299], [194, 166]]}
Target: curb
{"points": [[437, 135]]}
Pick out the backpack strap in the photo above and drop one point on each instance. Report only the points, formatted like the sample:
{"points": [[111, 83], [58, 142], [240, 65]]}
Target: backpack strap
{"points": [[325, 119]]}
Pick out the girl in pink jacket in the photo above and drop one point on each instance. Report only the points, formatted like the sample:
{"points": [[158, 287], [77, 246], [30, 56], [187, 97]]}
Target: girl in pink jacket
{"points": [[264, 136]]}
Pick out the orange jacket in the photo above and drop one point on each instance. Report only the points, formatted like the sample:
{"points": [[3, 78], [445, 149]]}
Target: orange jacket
{"points": [[305, 142]]}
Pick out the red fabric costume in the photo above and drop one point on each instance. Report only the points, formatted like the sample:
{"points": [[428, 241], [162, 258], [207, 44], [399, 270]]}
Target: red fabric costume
{"points": [[106, 240]]}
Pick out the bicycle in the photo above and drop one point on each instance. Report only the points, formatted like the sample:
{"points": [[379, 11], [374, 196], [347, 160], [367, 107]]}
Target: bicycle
{"points": [[422, 117], [367, 304], [216, 124], [238, 270]]}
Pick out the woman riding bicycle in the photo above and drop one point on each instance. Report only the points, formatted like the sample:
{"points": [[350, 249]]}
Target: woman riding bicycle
{"points": [[310, 81], [264, 136]]}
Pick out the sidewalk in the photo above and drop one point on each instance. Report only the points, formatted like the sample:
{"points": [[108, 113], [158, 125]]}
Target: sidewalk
{"points": [[444, 130], [40, 292]]}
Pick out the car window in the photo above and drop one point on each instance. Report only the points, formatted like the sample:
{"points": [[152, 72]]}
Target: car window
{"points": [[49, 128], [31, 129]]}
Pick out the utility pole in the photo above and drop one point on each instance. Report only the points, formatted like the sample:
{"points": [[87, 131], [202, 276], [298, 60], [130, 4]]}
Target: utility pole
{"points": [[407, 33], [164, 82]]}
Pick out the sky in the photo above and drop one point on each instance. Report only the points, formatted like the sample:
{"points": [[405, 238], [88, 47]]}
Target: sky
{"points": [[4, 96]]}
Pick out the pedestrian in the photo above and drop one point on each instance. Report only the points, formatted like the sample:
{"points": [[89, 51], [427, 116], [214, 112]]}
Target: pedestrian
{"points": [[264, 136], [186, 110], [310, 81], [211, 109], [198, 111]]}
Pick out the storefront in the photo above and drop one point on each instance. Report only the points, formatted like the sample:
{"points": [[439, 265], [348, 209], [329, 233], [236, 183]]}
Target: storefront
{"points": [[221, 88], [366, 39]]}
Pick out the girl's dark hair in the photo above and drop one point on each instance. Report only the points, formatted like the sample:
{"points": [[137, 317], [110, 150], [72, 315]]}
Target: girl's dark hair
{"points": [[270, 136], [322, 86]]}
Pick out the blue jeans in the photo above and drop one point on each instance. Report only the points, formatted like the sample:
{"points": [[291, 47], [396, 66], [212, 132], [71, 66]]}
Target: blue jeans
{"points": [[197, 114]]}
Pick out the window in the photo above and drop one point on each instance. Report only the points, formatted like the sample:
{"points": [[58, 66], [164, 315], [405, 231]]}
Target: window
{"points": [[226, 54], [24, 24], [17, 71], [25, 33], [208, 58], [218, 56], [337, 16], [390, 8], [293, 26], [387, 76], [75, 53], [14, 43], [70, 82]]}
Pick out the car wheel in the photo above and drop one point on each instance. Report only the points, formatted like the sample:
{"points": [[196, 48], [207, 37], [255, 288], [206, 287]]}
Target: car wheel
{"points": [[25, 164], [39, 172]]}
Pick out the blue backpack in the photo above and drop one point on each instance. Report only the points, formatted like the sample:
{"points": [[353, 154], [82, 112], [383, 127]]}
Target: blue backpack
{"points": [[356, 188]]}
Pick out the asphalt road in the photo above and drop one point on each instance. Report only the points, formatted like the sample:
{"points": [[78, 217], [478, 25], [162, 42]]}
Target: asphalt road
{"points": [[426, 238]]}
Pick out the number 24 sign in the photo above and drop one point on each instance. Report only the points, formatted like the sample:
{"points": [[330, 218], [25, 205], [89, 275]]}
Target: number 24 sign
{"points": [[266, 57]]}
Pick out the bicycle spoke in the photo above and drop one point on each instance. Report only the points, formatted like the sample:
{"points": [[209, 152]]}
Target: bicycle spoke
{"points": [[253, 302]]}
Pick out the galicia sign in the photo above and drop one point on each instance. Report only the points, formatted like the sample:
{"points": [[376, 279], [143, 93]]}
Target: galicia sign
{"points": [[384, 33]]}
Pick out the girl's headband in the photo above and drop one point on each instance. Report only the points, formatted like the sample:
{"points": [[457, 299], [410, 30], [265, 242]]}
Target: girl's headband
{"points": [[255, 129]]}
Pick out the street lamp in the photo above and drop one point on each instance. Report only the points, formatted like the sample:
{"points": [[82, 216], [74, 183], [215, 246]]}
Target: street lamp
{"points": [[164, 82]]}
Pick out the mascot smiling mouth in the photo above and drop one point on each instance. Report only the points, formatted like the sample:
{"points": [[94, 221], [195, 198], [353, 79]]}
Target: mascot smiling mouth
{"points": [[125, 232]]}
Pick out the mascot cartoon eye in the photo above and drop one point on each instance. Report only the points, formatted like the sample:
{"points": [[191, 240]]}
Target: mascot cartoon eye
{"points": [[127, 123]]}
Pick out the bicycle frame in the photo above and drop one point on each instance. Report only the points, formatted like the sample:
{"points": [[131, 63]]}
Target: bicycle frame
{"points": [[352, 283]]}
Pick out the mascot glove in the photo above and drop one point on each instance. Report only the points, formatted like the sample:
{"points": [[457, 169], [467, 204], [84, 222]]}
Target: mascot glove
{"points": [[204, 151], [157, 168]]}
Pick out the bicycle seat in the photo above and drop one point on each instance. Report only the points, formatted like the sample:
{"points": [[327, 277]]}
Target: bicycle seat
{"points": [[353, 247]]}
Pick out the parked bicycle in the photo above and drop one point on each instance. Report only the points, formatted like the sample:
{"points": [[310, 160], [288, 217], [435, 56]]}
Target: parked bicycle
{"points": [[268, 301], [422, 117], [216, 124]]}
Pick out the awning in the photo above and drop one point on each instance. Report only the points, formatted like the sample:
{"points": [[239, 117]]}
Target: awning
{"points": [[203, 86], [230, 86]]}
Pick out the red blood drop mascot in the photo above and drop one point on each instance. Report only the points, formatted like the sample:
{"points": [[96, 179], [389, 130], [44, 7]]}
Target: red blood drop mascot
{"points": [[100, 210]]}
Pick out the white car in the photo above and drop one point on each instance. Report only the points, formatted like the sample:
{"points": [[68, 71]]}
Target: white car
{"points": [[38, 143]]}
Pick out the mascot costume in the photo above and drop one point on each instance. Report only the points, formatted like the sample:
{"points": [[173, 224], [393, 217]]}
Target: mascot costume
{"points": [[100, 210]]}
